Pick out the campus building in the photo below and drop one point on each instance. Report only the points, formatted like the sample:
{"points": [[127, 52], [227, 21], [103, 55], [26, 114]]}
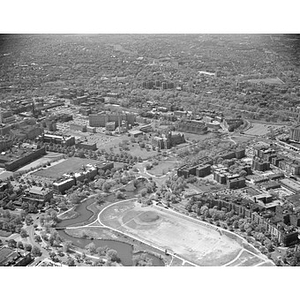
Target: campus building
{"points": [[260, 165], [283, 234], [78, 127], [20, 157], [192, 126], [5, 144], [187, 170], [64, 184], [12, 257], [87, 146], [168, 141], [295, 134], [100, 120], [36, 193], [64, 140]]}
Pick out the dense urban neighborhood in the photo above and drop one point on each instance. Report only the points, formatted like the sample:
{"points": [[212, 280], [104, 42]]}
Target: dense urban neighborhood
{"points": [[149, 150]]}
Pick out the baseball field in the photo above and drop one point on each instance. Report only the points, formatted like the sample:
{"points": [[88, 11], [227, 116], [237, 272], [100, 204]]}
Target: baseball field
{"points": [[190, 239]]}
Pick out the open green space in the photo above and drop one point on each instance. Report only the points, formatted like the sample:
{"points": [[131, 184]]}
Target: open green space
{"points": [[191, 239], [5, 233], [260, 129], [163, 167], [246, 259], [72, 164], [148, 216], [197, 137]]}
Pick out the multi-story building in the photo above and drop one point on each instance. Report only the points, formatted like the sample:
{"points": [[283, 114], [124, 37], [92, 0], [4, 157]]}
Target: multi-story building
{"points": [[27, 132], [295, 134], [78, 127], [110, 126], [5, 144], [36, 193], [64, 140], [100, 120], [20, 157], [192, 126], [7, 117], [284, 235], [291, 185], [11, 257], [203, 170], [64, 184], [187, 170], [236, 183], [87, 146], [260, 165], [168, 141]]}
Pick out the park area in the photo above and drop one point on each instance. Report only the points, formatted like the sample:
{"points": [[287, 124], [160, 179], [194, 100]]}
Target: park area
{"points": [[260, 129], [192, 240], [163, 167], [72, 164]]}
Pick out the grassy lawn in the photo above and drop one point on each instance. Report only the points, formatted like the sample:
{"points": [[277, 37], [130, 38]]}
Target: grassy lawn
{"points": [[246, 259], [69, 215], [197, 137], [187, 237], [176, 262], [241, 138], [69, 165], [4, 233], [163, 167], [260, 129], [92, 232], [5, 174]]}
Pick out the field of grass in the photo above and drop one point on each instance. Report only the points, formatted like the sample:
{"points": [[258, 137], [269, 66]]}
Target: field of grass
{"points": [[241, 138], [246, 259], [259, 129], [92, 232], [5, 174], [162, 168], [197, 137], [176, 262], [69, 165], [189, 238], [5, 233]]}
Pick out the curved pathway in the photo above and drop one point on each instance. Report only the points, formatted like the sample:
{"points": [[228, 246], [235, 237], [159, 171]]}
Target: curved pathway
{"points": [[262, 257], [131, 236]]}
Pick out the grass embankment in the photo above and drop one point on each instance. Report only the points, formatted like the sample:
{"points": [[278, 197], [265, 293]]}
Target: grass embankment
{"points": [[108, 234]]}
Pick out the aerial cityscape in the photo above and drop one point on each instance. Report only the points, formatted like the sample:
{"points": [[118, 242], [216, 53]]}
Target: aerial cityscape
{"points": [[150, 150]]}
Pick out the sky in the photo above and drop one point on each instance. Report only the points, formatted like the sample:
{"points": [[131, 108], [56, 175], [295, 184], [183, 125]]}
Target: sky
{"points": [[149, 16], [145, 16]]}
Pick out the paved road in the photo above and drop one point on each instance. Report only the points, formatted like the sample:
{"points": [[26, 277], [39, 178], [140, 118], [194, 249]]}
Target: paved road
{"points": [[45, 254]]}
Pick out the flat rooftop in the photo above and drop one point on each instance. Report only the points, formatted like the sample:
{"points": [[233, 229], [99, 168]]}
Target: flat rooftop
{"points": [[73, 164], [291, 184]]}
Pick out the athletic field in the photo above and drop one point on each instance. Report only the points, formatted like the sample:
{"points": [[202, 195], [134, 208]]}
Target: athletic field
{"points": [[190, 239]]}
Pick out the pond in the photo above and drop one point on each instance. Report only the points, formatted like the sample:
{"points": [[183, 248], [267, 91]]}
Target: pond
{"points": [[124, 250], [84, 214]]}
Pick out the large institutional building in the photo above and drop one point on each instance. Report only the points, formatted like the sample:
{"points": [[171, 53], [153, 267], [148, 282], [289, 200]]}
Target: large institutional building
{"points": [[100, 120], [295, 133]]}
